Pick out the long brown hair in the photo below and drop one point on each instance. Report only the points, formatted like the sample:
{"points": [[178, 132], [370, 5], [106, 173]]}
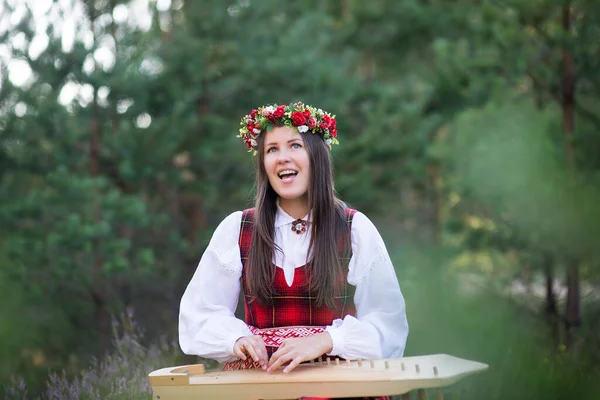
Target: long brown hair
{"points": [[328, 228]]}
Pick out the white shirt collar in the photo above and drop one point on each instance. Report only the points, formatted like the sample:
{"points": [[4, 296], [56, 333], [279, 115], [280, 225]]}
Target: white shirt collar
{"points": [[282, 218]]}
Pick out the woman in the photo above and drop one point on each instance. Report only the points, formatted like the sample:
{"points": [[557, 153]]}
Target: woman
{"points": [[307, 265]]}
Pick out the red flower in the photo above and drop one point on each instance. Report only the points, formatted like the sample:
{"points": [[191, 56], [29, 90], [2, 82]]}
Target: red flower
{"points": [[333, 132], [307, 113], [312, 122], [326, 121], [298, 118], [279, 111], [253, 114], [333, 123], [250, 128]]}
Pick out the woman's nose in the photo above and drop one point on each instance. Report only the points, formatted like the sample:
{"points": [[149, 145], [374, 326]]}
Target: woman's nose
{"points": [[283, 156]]}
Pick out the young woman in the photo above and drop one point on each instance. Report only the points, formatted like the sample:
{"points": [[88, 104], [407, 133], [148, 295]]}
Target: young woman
{"points": [[315, 275]]}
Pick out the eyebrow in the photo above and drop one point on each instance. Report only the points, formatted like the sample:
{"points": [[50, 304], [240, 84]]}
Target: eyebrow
{"points": [[289, 141]]}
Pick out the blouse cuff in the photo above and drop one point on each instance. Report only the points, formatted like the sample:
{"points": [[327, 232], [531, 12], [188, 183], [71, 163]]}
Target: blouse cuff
{"points": [[337, 337]]}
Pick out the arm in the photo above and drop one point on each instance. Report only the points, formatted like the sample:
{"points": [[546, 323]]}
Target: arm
{"points": [[380, 328], [207, 324]]}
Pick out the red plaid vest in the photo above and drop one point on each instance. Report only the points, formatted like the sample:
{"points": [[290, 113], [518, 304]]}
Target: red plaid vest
{"points": [[292, 305]]}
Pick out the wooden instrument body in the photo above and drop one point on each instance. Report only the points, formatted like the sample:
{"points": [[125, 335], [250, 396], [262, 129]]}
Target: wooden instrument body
{"points": [[318, 379]]}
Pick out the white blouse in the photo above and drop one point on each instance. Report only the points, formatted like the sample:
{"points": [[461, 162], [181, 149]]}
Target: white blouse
{"points": [[209, 328]]}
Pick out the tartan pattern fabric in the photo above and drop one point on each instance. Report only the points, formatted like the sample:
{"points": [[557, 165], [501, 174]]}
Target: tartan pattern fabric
{"points": [[292, 312], [292, 305]]}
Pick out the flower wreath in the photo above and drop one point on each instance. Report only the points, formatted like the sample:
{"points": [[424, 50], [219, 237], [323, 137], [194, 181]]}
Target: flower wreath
{"points": [[304, 117]]}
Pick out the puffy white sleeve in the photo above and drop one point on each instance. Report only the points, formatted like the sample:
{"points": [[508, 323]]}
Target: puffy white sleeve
{"points": [[380, 327], [207, 324]]}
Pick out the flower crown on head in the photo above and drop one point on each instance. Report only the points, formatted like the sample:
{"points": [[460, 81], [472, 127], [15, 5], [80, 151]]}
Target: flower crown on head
{"points": [[304, 117]]}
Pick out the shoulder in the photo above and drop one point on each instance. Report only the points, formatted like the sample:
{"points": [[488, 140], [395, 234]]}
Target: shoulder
{"points": [[233, 218], [230, 225], [349, 213], [361, 224], [247, 214], [365, 236]]}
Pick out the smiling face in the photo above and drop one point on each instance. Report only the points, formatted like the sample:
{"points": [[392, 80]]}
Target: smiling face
{"points": [[287, 165]]}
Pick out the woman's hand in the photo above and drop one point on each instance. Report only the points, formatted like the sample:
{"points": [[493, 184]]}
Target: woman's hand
{"points": [[252, 346], [297, 350]]}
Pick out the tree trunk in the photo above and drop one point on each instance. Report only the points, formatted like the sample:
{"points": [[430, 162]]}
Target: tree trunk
{"points": [[568, 91], [573, 312], [551, 306]]}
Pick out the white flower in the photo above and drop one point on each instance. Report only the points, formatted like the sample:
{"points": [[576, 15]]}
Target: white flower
{"points": [[256, 131], [302, 128], [253, 143], [328, 141]]}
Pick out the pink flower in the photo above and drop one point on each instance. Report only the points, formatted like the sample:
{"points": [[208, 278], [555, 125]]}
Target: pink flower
{"points": [[312, 122]]}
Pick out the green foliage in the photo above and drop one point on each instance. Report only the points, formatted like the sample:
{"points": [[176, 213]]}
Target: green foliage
{"points": [[121, 374], [507, 160], [463, 315], [451, 123]]}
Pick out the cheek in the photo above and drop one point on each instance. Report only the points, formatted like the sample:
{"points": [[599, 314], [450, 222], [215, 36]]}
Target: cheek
{"points": [[268, 163], [306, 163]]}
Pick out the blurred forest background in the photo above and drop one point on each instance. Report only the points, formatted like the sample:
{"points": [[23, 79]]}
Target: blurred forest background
{"points": [[469, 133]]}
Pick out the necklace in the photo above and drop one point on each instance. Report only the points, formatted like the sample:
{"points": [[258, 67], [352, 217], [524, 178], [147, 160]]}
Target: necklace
{"points": [[299, 226]]}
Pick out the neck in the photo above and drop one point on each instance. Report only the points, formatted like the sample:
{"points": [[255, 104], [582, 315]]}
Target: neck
{"points": [[296, 208]]}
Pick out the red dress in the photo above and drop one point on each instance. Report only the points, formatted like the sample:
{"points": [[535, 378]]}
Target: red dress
{"points": [[291, 305]]}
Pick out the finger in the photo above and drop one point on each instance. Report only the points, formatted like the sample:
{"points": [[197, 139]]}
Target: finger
{"points": [[275, 356], [263, 356], [238, 350], [250, 349], [278, 362], [258, 345], [293, 364]]}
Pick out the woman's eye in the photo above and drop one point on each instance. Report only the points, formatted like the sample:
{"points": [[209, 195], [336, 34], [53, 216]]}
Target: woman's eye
{"points": [[271, 150], [296, 146]]}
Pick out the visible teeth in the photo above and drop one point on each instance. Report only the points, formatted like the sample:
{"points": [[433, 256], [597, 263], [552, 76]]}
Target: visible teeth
{"points": [[286, 172]]}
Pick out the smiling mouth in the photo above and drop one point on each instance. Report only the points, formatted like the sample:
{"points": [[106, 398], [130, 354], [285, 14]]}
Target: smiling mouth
{"points": [[287, 175]]}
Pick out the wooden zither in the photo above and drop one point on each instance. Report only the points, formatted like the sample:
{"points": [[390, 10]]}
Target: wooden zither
{"points": [[321, 378]]}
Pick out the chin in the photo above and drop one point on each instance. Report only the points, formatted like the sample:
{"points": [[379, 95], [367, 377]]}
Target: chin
{"points": [[290, 196]]}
